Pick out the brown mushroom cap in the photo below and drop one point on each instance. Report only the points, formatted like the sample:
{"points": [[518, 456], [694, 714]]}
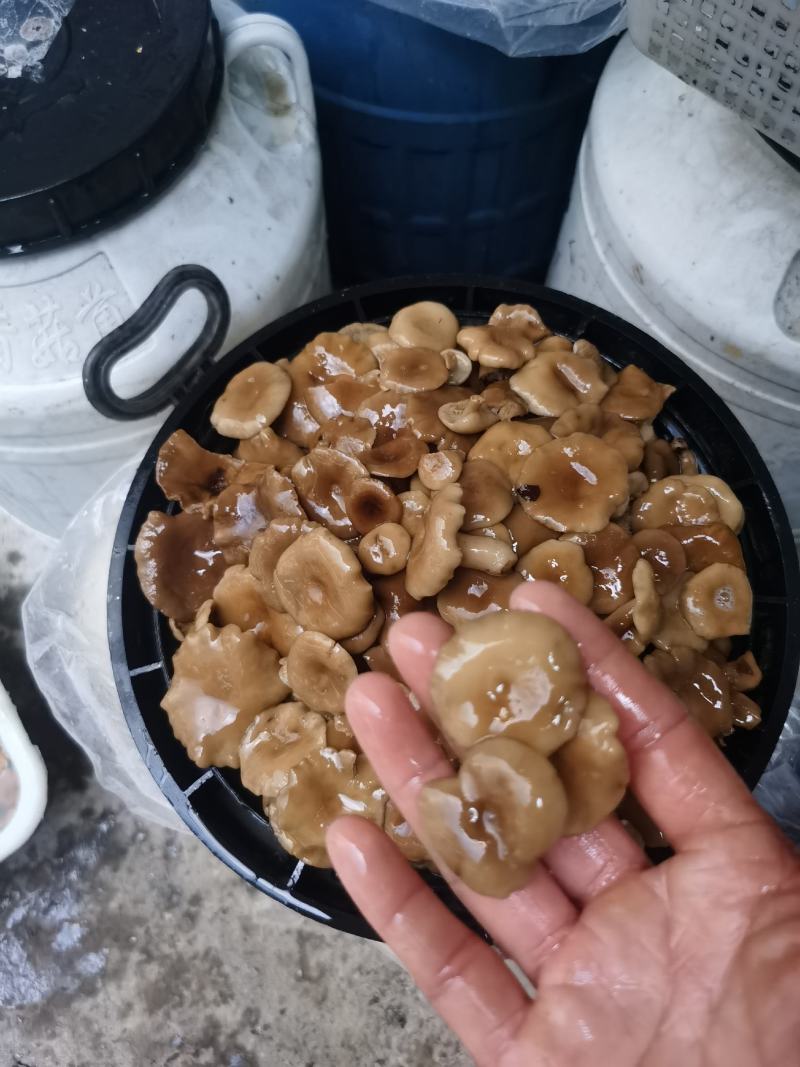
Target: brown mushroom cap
{"points": [[583, 418], [238, 518], [325, 785], [560, 562], [496, 347], [267, 549], [283, 631], [492, 823], [503, 401], [221, 680], [524, 531], [555, 381], [393, 597], [370, 503], [673, 501], [397, 457], [274, 742], [593, 768], [427, 324], [486, 496], [363, 332], [718, 602], [514, 674], [253, 399], [239, 598], [743, 673], [434, 553], [415, 503], [659, 461], [350, 434], [320, 584], [178, 562], [413, 370], [398, 830], [472, 594], [700, 683], [746, 713], [730, 507], [665, 554], [319, 672], [190, 474], [520, 317], [675, 632], [472, 415], [422, 412], [707, 543], [459, 365], [508, 445], [573, 483], [367, 637], [620, 623], [611, 555], [323, 480], [384, 550], [269, 448], [438, 469], [491, 555], [378, 659], [635, 396], [336, 397]]}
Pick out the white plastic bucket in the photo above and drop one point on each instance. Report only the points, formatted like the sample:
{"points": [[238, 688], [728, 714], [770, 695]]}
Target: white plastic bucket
{"points": [[249, 209], [683, 222]]}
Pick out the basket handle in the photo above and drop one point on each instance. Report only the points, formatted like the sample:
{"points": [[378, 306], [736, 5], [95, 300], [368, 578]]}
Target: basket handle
{"points": [[184, 373]]}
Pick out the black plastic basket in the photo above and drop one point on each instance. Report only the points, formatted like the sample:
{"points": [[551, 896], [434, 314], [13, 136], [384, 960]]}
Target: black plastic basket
{"points": [[213, 803]]}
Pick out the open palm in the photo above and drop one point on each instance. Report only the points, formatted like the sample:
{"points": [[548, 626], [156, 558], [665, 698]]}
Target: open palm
{"points": [[696, 961]]}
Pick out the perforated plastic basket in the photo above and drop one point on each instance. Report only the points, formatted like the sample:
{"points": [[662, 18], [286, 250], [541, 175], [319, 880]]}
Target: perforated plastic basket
{"points": [[743, 53]]}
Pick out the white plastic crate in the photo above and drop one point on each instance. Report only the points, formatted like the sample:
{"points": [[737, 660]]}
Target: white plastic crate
{"points": [[743, 53]]}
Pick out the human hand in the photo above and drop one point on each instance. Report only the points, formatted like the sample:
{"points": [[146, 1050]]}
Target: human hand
{"points": [[695, 961]]}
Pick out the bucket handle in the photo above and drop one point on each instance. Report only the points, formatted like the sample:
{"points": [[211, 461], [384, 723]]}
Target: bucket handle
{"points": [[180, 378]]}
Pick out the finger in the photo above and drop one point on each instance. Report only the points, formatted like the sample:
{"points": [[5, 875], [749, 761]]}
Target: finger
{"points": [[582, 865], [528, 925], [677, 772], [590, 863], [414, 643], [462, 977]]}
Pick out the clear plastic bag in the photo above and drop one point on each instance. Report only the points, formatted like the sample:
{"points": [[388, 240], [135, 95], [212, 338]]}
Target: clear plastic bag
{"points": [[64, 618], [522, 27], [779, 789], [27, 30]]}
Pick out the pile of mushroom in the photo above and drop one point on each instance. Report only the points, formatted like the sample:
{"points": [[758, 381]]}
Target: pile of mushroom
{"points": [[422, 466]]}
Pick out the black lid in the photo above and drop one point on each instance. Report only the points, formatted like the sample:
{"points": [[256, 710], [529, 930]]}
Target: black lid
{"points": [[127, 93]]}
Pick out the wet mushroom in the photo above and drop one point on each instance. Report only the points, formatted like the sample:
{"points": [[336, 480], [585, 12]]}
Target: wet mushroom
{"points": [[370, 503], [238, 519], [427, 324], [283, 631], [267, 549], [611, 555], [384, 550], [221, 680], [560, 562], [471, 594], [730, 507], [239, 598], [459, 365], [701, 685], [323, 786], [397, 457], [491, 555], [524, 531], [718, 602], [434, 553], [508, 445], [496, 347], [746, 713], [337, 397], [635, 396], [378, 659], [673, 501], [319, 672], [413, 370], [675, 632], [270, 448], [253, 399], [707, 543], [647, 611], [500, 398], [492, 822], [512, 674], [275, 742], [398, 830], [414, 503], [659, 460], [178, 562], [190, 474], [556, 381], [519, 317], [320, 584], [367, 637], [350, 434], [743, 673], [486, 492], [392, 595], [472, 415], [593, 768], [620, 623], [665, 554], [324, 479], [573, 483], [438, 469]]}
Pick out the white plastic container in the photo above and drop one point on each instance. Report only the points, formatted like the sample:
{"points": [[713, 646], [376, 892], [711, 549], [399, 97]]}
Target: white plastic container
{"points": [[685, 223], [27, 764], [249, 208]]}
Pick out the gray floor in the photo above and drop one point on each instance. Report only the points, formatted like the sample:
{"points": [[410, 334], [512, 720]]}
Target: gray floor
{"points": [[124, 945]]}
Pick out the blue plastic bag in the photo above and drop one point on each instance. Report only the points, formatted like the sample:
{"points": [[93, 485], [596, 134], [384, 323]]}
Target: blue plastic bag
{"points": [[522, 27]]}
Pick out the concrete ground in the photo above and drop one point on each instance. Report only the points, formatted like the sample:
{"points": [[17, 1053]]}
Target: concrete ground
{"points": [[126, 945]]}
